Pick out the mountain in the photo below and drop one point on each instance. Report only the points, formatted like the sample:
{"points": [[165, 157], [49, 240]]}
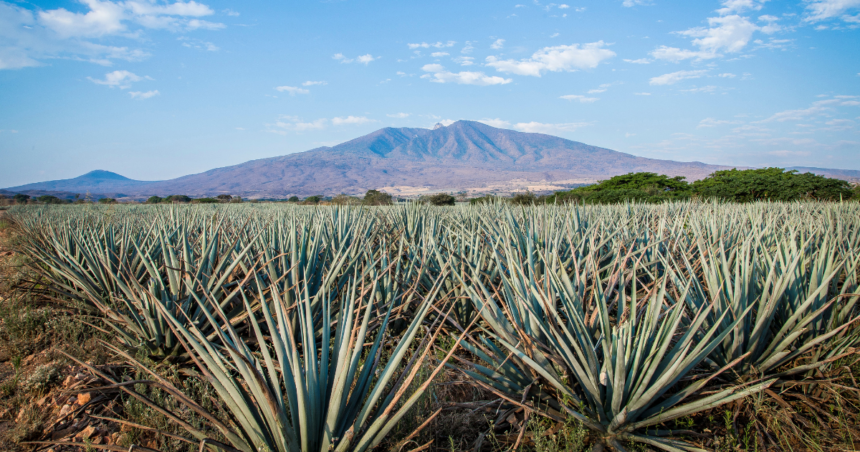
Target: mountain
{"points": [[464, 156], [849, 175], [98, 181]]}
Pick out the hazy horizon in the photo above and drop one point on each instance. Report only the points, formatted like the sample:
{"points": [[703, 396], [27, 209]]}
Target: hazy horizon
{"points": [[155, 90]]}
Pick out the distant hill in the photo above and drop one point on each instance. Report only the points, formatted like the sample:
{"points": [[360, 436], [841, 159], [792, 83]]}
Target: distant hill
{"points": [[98, 181], [849, 175], [464, 156]]}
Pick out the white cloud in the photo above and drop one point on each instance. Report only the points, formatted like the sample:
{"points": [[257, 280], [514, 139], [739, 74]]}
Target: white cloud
{"points": [[816, 109], [286, 124], [230, 12], [785, 153], [555, 59], [738, 6], [292, 90], [350, 120], [639, 61], [439, 54], [711, 122], [464, 60], [497, 123], [398, 115], [440, 75], [29, 36], [468, 48], [498, 44], [728, 34], [313, 83], [438, 45], [104, 18], [675, 77], [631, 3], [143, 95], [581, 99], [198, 44], [596, 91], [555, 35], [727, 75], [676, 55], [537, 127], [563, 6], [818, 10], [365, 59], [701, 89], [642, 94], [119, 79]]}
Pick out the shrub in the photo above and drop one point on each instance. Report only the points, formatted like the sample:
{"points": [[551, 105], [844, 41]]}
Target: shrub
{"points": [[21, 198], [345, 200], [177, 198], [293, 199], [154, 200], [206, 201], [47, 199], [107, 201], [377, 198], [439, 199], [524, 199], [224, 198], [313, 199]]}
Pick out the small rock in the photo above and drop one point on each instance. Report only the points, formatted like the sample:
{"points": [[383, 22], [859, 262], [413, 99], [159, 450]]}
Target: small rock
{"points": [[66, 409], [84, 398], [68, 381], [20, 417], [88, 432], [42, 401]]}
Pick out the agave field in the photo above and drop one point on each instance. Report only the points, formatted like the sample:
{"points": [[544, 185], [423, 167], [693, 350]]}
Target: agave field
{"points": [[321, 328]]}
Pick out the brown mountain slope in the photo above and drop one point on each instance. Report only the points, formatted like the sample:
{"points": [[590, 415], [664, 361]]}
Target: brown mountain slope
{"points": [[463, 156], [466, 155]]}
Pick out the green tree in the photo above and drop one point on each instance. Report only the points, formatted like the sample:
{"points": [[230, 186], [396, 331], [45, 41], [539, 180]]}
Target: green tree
{"points": [[21, 198], [293, 199], [312, 200], [154, 200], [206, 201], [224, 198], [857, 191], [377, 198], [439, 199], [48, 199], [177, 198], [345, 200], [643, 187], [524, 199], [770, 184]]}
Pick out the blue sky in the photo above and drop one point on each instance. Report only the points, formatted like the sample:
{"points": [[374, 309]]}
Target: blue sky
{"points": [[155, 90]]}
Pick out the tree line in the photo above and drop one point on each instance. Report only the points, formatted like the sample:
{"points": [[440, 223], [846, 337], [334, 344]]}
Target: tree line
{"points": [[765, 184]]}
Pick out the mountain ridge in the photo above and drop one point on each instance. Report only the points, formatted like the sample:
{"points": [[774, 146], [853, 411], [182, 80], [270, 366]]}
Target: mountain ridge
{"points": [[464, 156]]}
